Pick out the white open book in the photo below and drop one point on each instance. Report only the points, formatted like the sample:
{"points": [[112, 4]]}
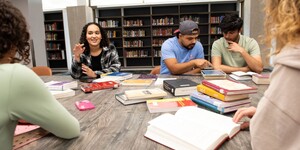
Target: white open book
{"points": [[191, 128]]}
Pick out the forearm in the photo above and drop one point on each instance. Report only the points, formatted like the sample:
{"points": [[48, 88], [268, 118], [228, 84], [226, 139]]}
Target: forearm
{"points": [[194, 71], [253, 64], [181, 68], [76, 71], [229, 69]]}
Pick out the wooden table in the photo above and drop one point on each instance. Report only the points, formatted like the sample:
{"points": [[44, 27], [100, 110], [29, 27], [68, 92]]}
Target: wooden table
{"points": [[114, 126]]}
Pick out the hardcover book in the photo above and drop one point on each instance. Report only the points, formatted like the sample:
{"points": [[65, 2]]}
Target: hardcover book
{"points": [[121, 97], [261, 78], [240, 75], [123, 75], [63, 94], [180, 87], [90, 87], [213, 93], [169, 104], [192, 128], [137, 82], [213, 74], [145, 93], [218, 105], [228, 87], [61, 85]]}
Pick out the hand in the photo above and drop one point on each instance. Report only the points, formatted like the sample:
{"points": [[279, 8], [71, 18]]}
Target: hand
{"points": [[235, 47], [78, 49], [202, 63], [88, 71], [244, 112]]}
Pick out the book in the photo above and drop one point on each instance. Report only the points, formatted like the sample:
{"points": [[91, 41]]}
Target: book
{"points": [[84, 105], [137, 82], [213, 74], [192, 128], [147, 76], [121, 97], [145, 93], [261, 78], [63, 94], [168, 104], [229, 87], [160, 81], [90, 87], [240, 75], [218, 105], [180, 87], [114, 76], [213, 93], [61, 85], [25, 134]]}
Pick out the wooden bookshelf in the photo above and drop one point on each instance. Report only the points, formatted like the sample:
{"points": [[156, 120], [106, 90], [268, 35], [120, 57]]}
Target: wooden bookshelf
{"points": [[55, 40], [138, 32]]}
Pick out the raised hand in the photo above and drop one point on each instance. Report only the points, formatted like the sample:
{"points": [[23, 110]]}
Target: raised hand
{"points": [[235, 47], [78, 50]]}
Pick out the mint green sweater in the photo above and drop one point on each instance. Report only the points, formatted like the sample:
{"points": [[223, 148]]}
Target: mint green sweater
{"points": [[23, 95]]}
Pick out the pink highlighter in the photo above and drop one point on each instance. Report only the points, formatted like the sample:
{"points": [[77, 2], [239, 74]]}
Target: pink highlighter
{"points": [[84, 105]]}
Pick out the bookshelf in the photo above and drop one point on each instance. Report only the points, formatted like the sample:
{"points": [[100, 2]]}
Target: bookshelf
{"points": [[138, 32], [55, 40]]}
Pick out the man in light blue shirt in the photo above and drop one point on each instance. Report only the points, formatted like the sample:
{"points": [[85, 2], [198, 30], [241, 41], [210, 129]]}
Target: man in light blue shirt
{"points": [[183, 54]]}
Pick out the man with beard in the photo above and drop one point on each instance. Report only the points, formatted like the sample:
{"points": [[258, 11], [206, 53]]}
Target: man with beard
{"points": [[183, 54], [235, 52]]}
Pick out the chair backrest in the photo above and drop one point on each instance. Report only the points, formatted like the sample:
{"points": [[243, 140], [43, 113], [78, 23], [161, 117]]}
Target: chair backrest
{"points": [[155, 70], [42, 70]]}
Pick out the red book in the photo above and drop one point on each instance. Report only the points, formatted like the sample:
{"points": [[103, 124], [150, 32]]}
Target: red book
{"points": [[229, 87], [169, 104], [90, 87]]}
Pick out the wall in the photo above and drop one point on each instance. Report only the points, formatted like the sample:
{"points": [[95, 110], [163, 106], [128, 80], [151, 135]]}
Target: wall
{"points": [[33, 13]]}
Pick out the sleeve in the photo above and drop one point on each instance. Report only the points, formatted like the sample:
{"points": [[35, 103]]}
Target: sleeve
{"points": [[254, 49], [32, 101], [216, 51], [166, 50], [200, 54], [76, 71], [114, 64]]}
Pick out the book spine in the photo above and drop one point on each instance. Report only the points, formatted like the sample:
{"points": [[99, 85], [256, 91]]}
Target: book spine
{"points": [[56, 88], [215, 87], [234, 108], [169, 88], [208, 91], [206, 105]]}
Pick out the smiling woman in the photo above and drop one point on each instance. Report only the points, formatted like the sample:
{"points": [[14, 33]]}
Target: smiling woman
{"points": [[94, 54]]}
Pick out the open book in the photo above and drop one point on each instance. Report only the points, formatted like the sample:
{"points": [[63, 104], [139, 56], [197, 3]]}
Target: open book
{"points": [[240, 75], [192, 128]]}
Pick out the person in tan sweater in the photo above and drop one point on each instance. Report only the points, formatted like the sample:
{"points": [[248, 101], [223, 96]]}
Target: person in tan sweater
{"points": [[275, 123]]}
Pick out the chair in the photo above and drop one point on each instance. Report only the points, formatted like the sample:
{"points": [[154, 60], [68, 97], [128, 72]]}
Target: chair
{"points": [[42, 70], [155, 70]]}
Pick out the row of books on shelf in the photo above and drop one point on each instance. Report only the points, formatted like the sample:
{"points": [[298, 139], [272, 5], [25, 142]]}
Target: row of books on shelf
{"points": [[134, 33], [56, 55], [163, 21], [134, 43], [53, 46], [162, 32], [215, 30], [51, 36], [158, 42], [109, 23], [111, 34], [137, 53], [190, 17], [129, 23], [51, 27], [216, 19]]}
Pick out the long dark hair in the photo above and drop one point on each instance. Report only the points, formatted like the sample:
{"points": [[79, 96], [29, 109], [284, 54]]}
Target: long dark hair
{"points": [[13, 32], [104, 41]]}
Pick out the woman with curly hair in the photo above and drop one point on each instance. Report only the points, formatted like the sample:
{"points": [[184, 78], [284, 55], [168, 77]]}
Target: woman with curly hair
{"points": [[23, 93], [94, 55], [275, 123]]}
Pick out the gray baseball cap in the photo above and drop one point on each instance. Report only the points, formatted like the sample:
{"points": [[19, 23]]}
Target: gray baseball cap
{"points": [[187, 27]]}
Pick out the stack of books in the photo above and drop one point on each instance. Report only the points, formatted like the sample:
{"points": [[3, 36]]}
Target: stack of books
{"points": [[261, 78], [62, 89], [139, 95], [223, 96], [169, 104]]}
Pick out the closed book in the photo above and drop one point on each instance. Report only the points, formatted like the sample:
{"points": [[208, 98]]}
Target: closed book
{"points": [[213, 74], [213, 93], [121, 97], [218, 102], [90, 87], [145, 93], [228, 87], [61, 85], [261, 78], [63, 94], [180, 87], [137, 82], [240, 75], [123, 75], [191, 128], [169, 104]]}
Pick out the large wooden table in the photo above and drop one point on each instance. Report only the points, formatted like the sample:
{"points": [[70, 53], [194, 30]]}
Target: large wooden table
{"points": [[114, 126]]}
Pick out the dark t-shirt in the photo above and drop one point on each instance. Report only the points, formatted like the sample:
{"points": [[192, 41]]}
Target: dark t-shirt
{"points": [[96, 62]]}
